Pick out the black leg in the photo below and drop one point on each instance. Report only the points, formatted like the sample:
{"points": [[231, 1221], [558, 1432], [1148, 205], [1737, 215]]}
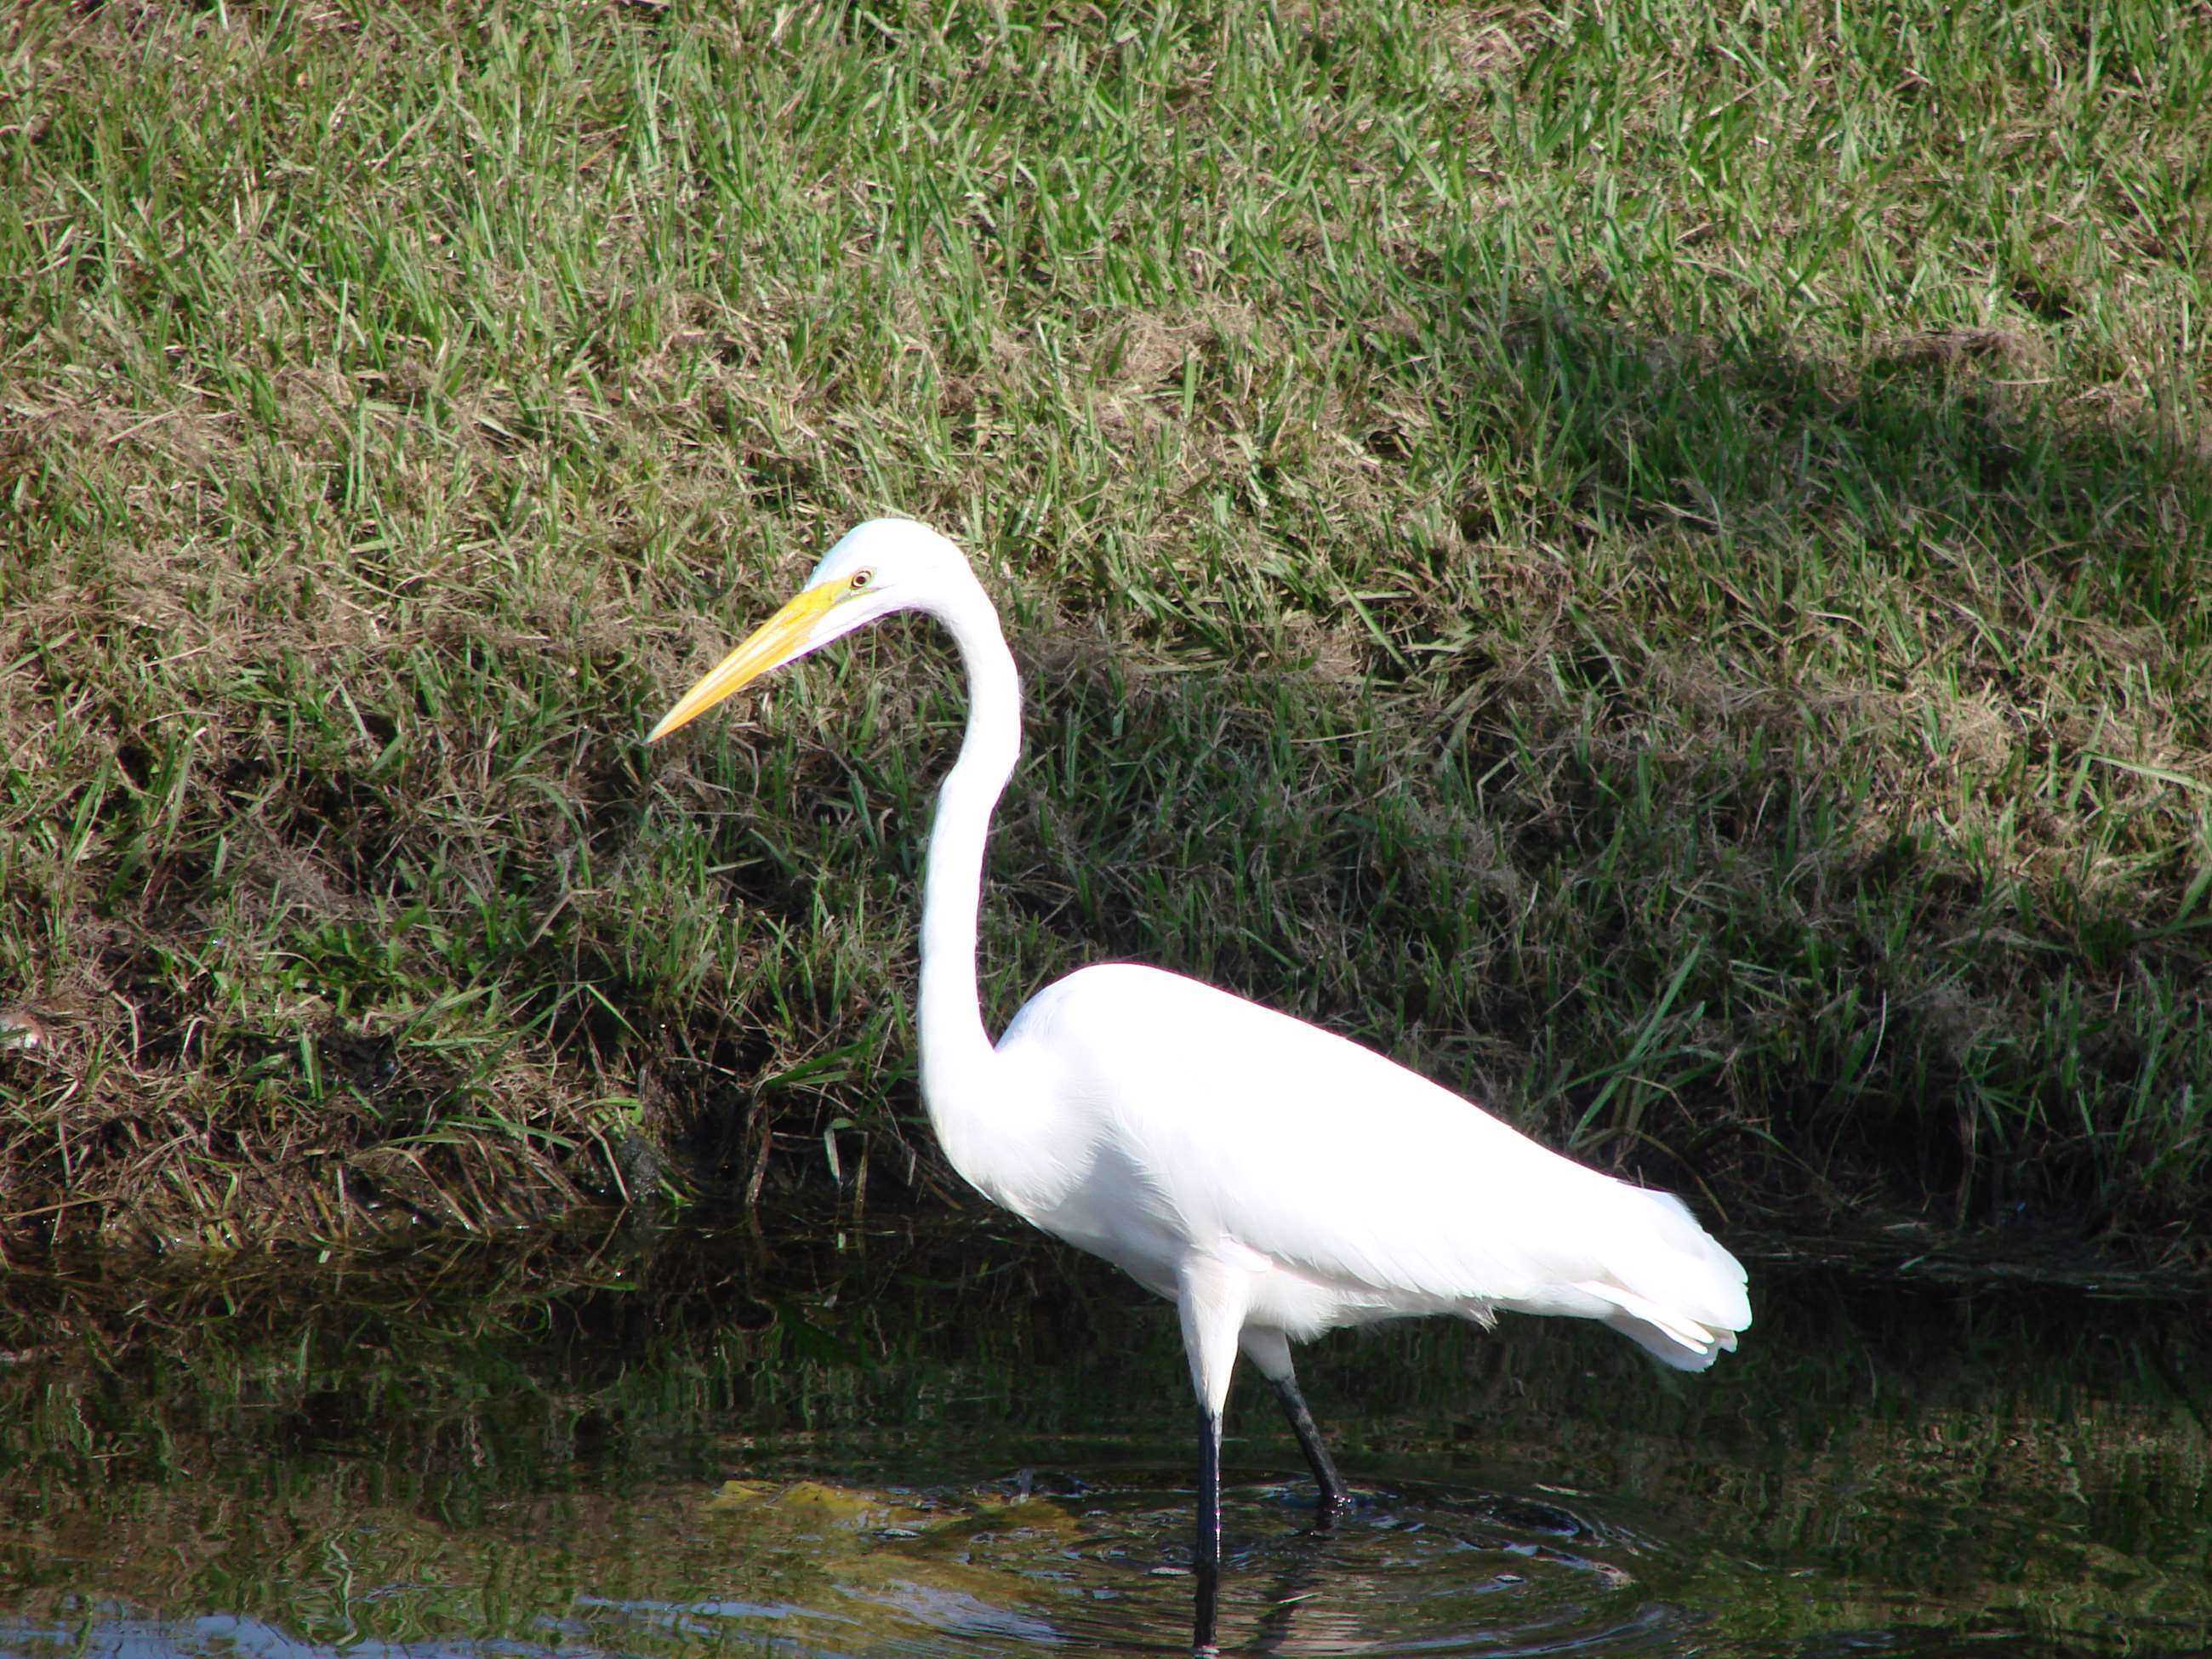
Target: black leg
{"points": [[1206, 1558], [1334, 1495]]}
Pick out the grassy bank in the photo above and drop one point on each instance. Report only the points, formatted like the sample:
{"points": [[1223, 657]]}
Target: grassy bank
{"points": [[1652, 566]]}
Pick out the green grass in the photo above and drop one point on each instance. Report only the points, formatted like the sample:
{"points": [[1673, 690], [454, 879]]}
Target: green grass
{"points": [[1650, 562]]}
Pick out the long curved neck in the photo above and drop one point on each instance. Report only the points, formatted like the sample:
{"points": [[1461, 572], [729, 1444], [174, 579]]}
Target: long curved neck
{"points": [[955, 1047]]}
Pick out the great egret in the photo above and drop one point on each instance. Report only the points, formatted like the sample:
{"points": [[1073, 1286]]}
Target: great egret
{"points": [[1271, 1179]]}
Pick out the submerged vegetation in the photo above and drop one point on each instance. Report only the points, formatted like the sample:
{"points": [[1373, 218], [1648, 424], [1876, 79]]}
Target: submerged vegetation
{"points": [[1649, 562]]}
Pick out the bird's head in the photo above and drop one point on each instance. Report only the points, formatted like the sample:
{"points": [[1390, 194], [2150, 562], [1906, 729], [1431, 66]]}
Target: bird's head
{"points": [[882, 566]]}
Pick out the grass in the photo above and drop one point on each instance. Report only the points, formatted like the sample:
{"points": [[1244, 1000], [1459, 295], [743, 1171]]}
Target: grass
{"points": [[1651, 562]]}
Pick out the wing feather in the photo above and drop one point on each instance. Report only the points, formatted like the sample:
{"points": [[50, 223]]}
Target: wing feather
{"points": [[1251, 1128]]}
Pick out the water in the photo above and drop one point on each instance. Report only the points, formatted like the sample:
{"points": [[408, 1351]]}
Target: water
{"points": [[951, 1437]]}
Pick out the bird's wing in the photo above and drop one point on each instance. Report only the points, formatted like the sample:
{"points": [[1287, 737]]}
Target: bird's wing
{"points": [[1328, 1159]]}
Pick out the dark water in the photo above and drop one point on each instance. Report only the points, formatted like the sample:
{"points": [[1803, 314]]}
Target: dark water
{"points": [[950, 1437]]}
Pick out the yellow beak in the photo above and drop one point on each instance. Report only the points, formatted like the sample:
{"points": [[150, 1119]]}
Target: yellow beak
{"points": [[774, 643]]}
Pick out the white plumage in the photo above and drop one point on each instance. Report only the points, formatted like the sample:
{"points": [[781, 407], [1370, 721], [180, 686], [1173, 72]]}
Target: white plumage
{"points": [[1271, 1179], [1348, 1188]]}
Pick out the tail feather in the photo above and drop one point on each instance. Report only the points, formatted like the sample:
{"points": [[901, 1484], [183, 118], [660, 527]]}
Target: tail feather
{"points": [[1681, 1295], [1683, 1343]]}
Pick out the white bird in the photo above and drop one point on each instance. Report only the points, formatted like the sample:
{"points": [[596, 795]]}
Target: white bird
{"points": [[1271, 1179]]}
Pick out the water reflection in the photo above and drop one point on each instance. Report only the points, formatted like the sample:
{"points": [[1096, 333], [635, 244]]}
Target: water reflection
{"points": [[955, 1438]]}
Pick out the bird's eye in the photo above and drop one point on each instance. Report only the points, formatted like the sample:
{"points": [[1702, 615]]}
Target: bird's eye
{"points": [[862, 578]]}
